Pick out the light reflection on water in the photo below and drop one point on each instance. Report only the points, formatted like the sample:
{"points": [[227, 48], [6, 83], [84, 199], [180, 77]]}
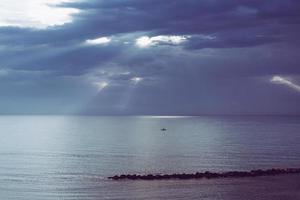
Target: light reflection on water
{"points": [[69, 157]]}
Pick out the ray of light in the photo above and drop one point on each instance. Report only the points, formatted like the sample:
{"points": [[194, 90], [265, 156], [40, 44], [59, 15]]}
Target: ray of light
{"points": [[286, 82], [101, 85]]}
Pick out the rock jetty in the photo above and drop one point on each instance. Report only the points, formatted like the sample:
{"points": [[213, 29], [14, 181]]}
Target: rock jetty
{"points": [[207, 175]]}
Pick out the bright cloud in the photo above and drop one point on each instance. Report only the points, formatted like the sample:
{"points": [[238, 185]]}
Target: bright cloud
{"points": [[98, 41], [284, 81], [143, 41], [34, 13], [146, 41], [136, 80]]}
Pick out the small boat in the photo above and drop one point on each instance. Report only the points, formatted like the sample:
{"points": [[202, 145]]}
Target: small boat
{"points": [[163, 129]]}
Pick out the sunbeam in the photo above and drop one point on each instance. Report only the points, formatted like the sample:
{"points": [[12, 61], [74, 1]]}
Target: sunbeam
{"points": [[286, 82]]}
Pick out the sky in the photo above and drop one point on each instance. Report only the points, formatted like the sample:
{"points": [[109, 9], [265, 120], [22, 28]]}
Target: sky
{"points": [[150, 57]]}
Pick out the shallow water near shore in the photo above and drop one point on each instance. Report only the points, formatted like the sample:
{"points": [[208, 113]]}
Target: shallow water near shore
{"points": [[70, 157]]}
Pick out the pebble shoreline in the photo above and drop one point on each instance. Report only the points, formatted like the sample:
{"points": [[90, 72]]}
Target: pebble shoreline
{"points": [[207, 175]]}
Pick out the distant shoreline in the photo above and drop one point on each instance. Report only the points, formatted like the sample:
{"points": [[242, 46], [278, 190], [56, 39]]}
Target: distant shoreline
{"points": [[207, 175]]}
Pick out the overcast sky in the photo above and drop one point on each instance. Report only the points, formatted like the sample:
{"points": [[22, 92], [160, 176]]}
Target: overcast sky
{"points": [[142, 57]]}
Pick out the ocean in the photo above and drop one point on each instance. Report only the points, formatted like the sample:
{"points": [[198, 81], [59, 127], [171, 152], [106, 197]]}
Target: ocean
{"points": [[70, 157]]}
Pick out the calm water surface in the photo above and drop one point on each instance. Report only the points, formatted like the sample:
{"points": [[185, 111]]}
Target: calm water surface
{"points": [[69, 157]]}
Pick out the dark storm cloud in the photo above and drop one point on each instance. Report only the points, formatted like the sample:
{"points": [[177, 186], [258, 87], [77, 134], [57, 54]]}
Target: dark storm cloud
{"points": [[231, 39], [230, 47], [186, 17], [69, 59], [166, 17]]}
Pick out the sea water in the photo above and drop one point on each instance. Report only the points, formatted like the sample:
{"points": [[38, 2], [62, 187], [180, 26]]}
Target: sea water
{"points": [[70, 157]]}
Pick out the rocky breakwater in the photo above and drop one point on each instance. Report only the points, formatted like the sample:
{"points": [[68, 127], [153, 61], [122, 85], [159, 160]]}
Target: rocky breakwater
{"points": [[207, 175]]}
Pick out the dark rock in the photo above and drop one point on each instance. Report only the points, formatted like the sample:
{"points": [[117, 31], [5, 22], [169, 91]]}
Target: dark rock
{"points": [[208, 175]]}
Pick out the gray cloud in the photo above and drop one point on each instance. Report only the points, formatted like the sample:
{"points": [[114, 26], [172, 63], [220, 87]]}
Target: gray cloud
{"points": [[232, 49]]}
